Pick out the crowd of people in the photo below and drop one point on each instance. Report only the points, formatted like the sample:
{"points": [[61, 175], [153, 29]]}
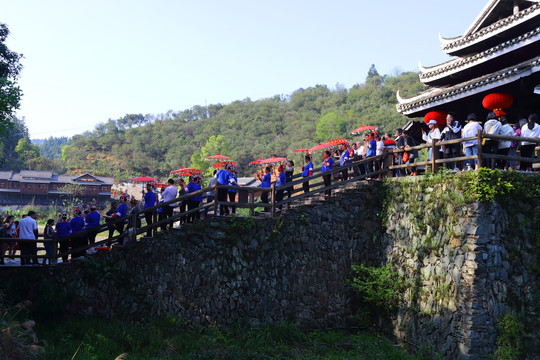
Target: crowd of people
{"points": [[88, 221]]}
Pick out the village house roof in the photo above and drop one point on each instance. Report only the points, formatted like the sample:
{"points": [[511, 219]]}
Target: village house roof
{"points": [[46, 177]]}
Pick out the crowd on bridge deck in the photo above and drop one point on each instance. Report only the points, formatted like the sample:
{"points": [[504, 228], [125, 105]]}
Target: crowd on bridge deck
{"points": [[373, 144]]}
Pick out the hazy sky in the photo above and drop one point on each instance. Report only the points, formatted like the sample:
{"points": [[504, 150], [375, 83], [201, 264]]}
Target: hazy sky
{"points": [[89, 61]]}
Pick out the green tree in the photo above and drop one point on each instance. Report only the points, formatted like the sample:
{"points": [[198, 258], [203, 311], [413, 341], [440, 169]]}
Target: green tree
{"points": [[373, 76], [45, 164], [214, 145], [10, 93], [330, 126], [26, 150]]}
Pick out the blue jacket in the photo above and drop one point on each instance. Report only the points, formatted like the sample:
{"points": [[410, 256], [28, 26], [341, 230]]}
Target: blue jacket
{"points": [[92, 219], [282, 179], [77, 224], [327, 164], [344, 158], [192, 187], [266, 180], [308, 169], [62, 229]]}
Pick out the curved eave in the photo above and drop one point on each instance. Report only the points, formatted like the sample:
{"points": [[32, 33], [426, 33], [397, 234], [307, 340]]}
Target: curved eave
{"points": [[445, 41], [431, 74], [497, 28], [441, 96]]}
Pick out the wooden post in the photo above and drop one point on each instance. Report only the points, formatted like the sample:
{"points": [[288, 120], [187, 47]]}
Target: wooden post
{"points": [[480, 148], [273, 189], [435, 155], [216, 201], [54, 259], [133, 235], [251, 202], [387, 162]]}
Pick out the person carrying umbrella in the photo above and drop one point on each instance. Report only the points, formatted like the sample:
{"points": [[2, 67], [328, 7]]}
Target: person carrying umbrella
{"points": [[265, 180], [307, 171], [344, 160], [327, 165], [224, 177], [150, 199]]}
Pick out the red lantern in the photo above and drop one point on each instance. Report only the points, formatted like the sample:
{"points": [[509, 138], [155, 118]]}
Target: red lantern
{"points": [[497, 102], [438, 116]]}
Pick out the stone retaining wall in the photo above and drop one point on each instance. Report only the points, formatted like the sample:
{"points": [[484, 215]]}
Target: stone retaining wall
{"points": [[292, 268], [465, 265]]}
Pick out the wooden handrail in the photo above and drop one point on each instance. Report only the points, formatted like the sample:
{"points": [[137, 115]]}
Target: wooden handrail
{"points": [[316, 186]]}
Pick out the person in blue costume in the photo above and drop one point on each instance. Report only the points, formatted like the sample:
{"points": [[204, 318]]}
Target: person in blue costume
{"points": [[266, 180], [281, 180], [232, 192], [195, 201], [78, 242], [371, 151], [327, 165], [224, 177], [307, 170], [92, 222], [150, 199], [121, 212], [344, 160], [63, 230]]}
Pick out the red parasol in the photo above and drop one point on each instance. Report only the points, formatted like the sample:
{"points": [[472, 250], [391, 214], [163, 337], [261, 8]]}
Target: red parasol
{"points": [[143, 178], [273, 160], [320, 146], [302, 149], [337, 141], [364, 128], [220, 164], [187, 171], [217, 157], [256, 162]]}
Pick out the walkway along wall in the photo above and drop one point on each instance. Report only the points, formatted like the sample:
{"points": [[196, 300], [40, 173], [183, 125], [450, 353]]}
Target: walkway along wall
{"points": [[465, 264]]}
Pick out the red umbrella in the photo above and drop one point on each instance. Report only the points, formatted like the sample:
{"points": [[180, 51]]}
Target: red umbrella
{"points": [[256, 162], [217, 157], [220, 164], [187, 171], [364, 128], [143, 178], [302, 149], [320, 146], [337, 141], [273, 160]]}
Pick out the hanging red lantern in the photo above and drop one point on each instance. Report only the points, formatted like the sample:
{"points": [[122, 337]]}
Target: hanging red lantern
{"points": [[438, 116], [497, 102]]}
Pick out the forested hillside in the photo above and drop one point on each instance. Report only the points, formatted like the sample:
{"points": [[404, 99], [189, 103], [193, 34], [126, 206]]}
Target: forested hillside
{"points": [[244, 130]]}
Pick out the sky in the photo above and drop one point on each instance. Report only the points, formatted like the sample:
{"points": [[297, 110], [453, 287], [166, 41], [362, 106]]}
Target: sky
{"points": [[89, 61]]}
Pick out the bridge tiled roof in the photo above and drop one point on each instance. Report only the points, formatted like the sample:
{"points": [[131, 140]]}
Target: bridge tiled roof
{"points": [[438, 96]]}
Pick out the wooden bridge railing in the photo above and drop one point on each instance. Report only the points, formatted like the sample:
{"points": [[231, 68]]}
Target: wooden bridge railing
{"points": [[295, 188]]}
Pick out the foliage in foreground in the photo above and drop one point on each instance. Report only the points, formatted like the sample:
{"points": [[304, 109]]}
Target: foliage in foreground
{"points": [[169, 338]]}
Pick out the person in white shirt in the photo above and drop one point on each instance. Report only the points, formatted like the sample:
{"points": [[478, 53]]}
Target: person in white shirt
{"points": [[434, 134], [169, 194], [471, 146], [490, 146], [531, 130], [28, 229], [504, 145]]}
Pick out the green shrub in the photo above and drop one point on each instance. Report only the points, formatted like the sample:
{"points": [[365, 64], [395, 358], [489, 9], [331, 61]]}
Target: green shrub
{"points": [[380, 286], [510, 334]]}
